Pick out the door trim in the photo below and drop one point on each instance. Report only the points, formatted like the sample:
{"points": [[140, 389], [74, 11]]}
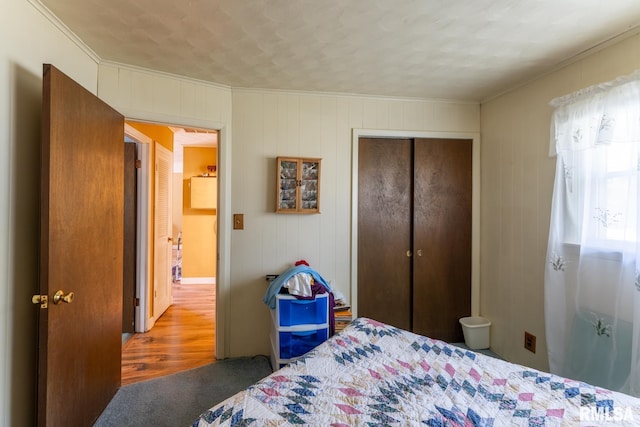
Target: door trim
{"points": [[223, 273], [142, 321], [475, 203]]}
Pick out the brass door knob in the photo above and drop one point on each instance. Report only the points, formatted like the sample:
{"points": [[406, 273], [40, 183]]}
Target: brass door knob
{"points": [[61, 297]]}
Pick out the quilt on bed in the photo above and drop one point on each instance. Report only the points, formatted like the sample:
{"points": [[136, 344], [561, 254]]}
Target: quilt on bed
{"points": [[375, 374]]}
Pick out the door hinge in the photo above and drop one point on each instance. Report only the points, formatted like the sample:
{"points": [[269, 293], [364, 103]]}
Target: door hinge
{"points": [[138, 164], [43, 300]]}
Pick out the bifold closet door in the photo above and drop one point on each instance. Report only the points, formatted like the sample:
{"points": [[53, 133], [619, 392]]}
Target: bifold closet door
{"points": [[385, 175], [414, 233], [442, 237]]}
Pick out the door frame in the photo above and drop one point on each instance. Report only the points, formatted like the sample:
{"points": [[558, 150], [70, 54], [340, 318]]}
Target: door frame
{"points": [[475, 203], [142, 322], [223, 234]]}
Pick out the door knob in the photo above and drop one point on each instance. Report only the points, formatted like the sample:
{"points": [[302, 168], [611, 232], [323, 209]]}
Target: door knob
{"points": [[419, 252], [61, 297], [408, 253]]}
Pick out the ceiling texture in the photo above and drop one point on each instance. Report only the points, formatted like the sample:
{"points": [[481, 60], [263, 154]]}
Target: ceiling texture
{"points": [[468, 50]]}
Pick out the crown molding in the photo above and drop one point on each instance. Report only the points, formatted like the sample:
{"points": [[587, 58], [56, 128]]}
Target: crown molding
{"points": [[44, 11]]}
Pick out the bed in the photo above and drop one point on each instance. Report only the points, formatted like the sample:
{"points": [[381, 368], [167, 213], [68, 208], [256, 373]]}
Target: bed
{"points": [[375, 374]]}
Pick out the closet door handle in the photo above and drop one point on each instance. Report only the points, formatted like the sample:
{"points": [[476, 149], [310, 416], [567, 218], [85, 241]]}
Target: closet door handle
{"points": [[409, 253], [419, 252]]}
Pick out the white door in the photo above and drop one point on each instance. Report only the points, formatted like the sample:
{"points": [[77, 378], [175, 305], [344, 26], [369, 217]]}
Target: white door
{"points": [[162, 295]]}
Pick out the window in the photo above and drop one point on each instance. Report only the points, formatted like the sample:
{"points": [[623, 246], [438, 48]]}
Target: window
{"points": [[592, 274], [601, 178]]}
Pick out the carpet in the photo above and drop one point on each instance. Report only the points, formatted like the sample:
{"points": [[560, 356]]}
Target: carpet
{"points": [[178, 399]]}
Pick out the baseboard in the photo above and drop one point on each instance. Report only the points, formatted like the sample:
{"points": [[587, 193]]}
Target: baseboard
{"points": [[198, 280]]}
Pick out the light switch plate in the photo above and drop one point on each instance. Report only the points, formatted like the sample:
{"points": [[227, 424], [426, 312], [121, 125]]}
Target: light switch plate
{"points": [[238, 221]]}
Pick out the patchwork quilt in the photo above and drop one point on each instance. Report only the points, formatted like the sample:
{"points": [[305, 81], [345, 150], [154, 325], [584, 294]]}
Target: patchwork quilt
{"points": [[374, 374]]}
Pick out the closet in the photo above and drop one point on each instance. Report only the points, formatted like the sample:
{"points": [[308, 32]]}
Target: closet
{"points": [[414, 233]]}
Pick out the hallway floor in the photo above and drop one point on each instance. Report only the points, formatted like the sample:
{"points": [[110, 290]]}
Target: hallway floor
{"points": [[183, 337]]}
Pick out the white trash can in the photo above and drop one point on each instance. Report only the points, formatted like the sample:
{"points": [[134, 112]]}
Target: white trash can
{"points": [[476, 332]]}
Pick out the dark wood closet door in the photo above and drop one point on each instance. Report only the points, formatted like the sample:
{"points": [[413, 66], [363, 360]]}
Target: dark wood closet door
{"points": [[384, 230], [442, 237]]}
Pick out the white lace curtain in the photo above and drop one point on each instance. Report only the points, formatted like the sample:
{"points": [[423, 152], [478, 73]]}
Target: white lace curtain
{"points": [[592, 274]]}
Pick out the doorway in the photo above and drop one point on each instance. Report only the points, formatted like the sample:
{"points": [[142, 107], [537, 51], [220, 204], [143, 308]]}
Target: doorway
{"points": [[177, 139]]}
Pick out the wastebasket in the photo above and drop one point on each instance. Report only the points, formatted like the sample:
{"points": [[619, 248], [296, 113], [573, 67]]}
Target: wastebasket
{"points": [[476, 332]]}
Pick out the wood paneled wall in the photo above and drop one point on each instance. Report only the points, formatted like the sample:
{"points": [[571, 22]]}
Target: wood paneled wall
{"points": [[517, 187], [269, 124], [256, 126]]}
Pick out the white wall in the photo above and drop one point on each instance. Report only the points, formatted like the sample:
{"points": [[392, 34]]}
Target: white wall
{"points": [[27, 40], [267, 124], [517, 185]]}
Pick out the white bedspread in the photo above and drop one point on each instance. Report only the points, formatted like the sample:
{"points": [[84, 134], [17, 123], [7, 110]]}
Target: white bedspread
{"points": [[374, 374]]}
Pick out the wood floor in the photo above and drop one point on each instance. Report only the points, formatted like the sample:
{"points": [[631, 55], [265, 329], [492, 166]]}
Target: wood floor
{"points": [[183, 337]]}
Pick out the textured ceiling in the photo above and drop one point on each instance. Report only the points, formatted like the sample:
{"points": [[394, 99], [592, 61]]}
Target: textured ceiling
{"points": [[445, 49]]}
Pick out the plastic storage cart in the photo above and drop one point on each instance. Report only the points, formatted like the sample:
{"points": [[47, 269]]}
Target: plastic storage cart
{"points": [[297, 326]]}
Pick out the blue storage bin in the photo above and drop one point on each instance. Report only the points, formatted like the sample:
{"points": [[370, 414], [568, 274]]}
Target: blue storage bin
{"points": [[293, 311], [297, 343]]}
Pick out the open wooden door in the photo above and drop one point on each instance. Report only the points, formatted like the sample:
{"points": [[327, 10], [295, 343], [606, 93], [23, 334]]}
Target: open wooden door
{"points": [[79, 331]]}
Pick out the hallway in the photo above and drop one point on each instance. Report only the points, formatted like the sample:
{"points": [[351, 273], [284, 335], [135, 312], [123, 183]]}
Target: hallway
{"points": [[183, 337]]}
